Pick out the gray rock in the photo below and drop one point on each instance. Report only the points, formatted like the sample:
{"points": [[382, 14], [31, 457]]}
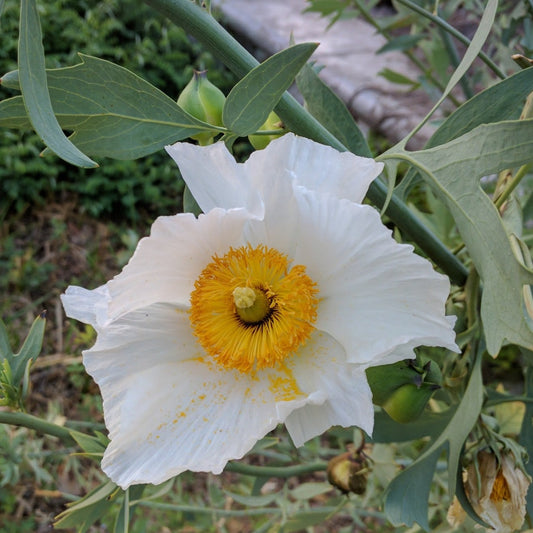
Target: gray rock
{"points": [[348, 53]]}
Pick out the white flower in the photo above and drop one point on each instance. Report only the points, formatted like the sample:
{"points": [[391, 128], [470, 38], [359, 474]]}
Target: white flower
{"points": [[266, 309]]}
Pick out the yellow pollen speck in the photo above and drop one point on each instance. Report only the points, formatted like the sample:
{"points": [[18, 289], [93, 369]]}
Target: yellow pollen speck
{"points": [[250, 309], [201, 397], [284, 388]]}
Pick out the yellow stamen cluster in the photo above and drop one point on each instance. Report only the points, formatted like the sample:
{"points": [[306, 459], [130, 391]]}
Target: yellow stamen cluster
{"points": [[500, 489], [250, 310]]}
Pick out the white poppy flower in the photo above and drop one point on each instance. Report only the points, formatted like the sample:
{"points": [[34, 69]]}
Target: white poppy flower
{"points": [[266, 309]]}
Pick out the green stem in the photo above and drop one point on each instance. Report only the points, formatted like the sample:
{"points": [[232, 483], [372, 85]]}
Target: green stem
{"points": [[522, 171], [275, 471], [207, 510], [452, 31], [221, 44], [508, 399], [37, 424]]}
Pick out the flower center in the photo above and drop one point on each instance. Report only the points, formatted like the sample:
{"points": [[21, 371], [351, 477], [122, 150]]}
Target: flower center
{"points": [[500, 489], [250, 309]]}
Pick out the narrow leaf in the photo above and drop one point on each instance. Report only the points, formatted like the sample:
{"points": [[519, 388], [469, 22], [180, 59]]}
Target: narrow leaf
{"points": [[526, 432], [35, 91], [482, 32], [407, 495], [31, 348], [464, 501], [387, 430], [503, 101], [128, 123], [401, 43], [87, 510], [396, 77], [253, 98], [88, 443], [5, 348], [331, 111], [471, 53]]}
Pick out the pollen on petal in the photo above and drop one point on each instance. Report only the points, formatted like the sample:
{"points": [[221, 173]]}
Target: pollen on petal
{"points": [[279, 318]]}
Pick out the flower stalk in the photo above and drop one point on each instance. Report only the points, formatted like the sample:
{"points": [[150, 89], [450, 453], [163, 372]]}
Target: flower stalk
{"points": [[220, 43], [37, 424]]}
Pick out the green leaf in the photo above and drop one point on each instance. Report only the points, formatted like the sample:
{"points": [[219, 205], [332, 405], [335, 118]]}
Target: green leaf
{"points": [[464, 501], [309, 490], [398, 78], [261, 500], [88, 443], [249, 103], [407, 495], [331, 112], [471, 53], [35, 91], [482, 32], [503, 101], [304, 519], [112, 111], [454, 170], [401, 43], [31, 348], [87, 510], [526, 432], [189, 203], [126, 511], [5, 348], [387, 430]]}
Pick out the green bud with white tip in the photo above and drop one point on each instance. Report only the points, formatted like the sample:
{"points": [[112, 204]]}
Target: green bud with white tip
{"points": [[204, 101]]}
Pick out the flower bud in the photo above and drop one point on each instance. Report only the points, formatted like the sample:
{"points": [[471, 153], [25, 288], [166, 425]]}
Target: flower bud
{"points": [[201, 99], [404, 388], [496, 488], [348, 472], [273, 122], [407, 402]]}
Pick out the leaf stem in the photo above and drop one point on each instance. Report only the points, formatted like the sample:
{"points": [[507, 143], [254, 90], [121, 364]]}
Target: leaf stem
{"points": [[452, 31], [522, 171], [221, 44]]}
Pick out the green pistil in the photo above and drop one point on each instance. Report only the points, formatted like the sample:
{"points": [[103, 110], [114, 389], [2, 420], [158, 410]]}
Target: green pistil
{"points": [[252, 305]]}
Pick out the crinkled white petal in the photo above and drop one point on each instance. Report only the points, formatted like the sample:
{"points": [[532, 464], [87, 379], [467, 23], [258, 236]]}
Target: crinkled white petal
{"points": [[87, 306], [166, 264], [317, 167], [321, 366], [185, 415], [169, 409], [377, 297], [217, 180], [214, 178], [376, 294], [137, 341]]}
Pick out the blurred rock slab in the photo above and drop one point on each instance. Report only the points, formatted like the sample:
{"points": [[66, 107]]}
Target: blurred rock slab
{"points": [[347, 51]]}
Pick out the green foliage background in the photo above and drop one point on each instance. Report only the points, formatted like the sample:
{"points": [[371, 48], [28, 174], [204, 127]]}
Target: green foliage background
{"points": [[133, 36]]}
